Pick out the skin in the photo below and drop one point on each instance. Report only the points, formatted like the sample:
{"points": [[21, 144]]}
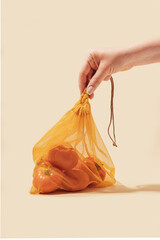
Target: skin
{"points": [[101, 64]]}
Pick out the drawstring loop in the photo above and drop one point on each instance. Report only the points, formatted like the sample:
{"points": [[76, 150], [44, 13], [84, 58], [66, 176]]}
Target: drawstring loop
{"points": [[82, 108], [112, 115], [111, 109]]}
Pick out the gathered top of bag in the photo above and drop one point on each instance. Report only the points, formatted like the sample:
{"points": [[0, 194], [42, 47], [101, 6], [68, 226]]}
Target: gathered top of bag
{"points": [[82, 107]]}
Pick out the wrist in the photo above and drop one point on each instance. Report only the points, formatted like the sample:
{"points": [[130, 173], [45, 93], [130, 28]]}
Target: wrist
{"points": [[127, 58], [134, 56], [141, 54]]}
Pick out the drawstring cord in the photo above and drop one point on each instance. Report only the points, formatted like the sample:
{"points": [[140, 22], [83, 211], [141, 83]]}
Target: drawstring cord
{"points": [[111, 108], [112, 115], [82, 108]]}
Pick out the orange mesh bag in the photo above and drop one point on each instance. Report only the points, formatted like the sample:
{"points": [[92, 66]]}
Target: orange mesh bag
{"points": [[72, 155]]}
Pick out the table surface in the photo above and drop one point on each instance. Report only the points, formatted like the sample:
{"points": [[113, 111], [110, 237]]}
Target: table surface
{"points": [[117, 211]]}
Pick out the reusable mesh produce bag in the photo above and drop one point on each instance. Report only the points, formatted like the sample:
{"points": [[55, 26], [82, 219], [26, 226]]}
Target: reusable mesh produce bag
{"points": [[72, 155]]}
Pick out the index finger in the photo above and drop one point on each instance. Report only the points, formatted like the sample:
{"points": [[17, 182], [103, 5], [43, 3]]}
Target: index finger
{"points": [[83, 76]]}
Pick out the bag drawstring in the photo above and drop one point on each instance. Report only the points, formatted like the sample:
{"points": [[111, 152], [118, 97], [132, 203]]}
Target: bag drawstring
{"points": [[82, 107], [111, 110], [112, 115]]}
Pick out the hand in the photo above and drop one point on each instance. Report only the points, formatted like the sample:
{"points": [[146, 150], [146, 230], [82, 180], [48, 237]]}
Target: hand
{"points": [[99, 66]]}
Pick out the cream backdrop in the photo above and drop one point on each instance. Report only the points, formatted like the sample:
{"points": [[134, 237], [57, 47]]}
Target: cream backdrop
{"points": [[44, 44]]}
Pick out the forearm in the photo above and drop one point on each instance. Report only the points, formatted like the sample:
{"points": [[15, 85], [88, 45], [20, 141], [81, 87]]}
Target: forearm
{"points": [[142, 54]]}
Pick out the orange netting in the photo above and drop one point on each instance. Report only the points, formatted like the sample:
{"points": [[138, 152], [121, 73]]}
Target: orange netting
{"points": [[72, 154]]}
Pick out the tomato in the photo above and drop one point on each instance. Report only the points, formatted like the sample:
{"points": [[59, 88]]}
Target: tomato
{"points": [[75, 179], [47, 180], [62, 157], [43, 163], [102, 173], [88, 167]]}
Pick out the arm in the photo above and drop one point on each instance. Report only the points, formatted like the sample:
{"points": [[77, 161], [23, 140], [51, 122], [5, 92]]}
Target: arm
{"points": [[142, 54], [101, 64]]}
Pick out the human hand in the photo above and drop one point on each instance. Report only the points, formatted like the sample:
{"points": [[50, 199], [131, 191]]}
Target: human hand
{"points": [[99, 66]]}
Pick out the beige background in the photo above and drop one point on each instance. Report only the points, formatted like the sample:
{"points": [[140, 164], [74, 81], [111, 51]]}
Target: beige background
{"points": [[44, 43]]}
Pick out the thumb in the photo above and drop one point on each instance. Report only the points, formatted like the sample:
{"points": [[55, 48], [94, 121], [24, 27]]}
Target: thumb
{"points": [[97, 78]]}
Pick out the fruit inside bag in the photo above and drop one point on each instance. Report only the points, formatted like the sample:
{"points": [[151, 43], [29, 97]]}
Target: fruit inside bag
{"points": [[72, 155]]}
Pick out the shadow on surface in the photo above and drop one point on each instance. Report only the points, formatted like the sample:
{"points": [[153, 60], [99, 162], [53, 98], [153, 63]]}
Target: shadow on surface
{"points": [[117, 188]]}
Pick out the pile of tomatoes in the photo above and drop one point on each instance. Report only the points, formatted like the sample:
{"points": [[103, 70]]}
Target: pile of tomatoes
{"points": [[62, 168]]}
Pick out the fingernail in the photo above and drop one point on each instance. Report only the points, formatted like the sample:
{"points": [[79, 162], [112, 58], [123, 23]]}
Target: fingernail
{"points": [[90, 90]]}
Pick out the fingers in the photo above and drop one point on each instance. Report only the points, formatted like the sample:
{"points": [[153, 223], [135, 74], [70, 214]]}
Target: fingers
{"points": [[92, 74], [107, 78], [91, 96], [83, 76], [97, 78]]}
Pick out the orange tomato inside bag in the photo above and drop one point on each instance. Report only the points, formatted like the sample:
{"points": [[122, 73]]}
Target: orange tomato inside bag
{"points": [[72, 155]]}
